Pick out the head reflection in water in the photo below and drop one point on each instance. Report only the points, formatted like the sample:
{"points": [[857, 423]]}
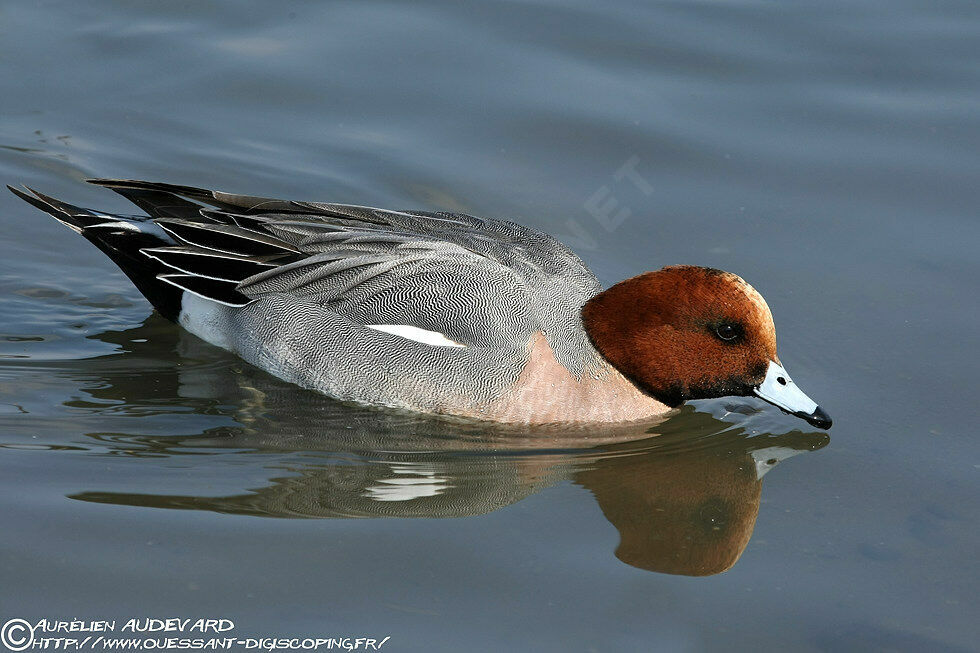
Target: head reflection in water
{"points": [[683, 494], [692, 511]]}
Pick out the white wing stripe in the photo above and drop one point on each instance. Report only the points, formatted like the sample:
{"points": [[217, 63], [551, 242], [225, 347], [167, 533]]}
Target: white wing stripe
{"points": [[433, 338]]}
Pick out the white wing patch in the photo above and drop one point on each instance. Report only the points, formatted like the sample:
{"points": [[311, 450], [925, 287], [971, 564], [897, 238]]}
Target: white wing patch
{"points": [[433, 338]]}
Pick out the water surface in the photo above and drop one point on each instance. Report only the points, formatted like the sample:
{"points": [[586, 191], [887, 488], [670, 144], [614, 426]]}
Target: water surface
{"points": [[825, 152]]}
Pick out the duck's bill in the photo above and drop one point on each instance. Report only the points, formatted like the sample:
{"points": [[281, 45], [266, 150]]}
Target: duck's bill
{"points": [[779, 390]]}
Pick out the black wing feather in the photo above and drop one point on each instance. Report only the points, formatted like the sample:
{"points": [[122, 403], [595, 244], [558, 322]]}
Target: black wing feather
{"points": [[213, 265], [226, 238], [217, 290]]}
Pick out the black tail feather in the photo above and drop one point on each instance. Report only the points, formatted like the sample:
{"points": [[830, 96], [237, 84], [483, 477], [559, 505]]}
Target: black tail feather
{"points": [[192, 239], [120, 239], [73, 217]]}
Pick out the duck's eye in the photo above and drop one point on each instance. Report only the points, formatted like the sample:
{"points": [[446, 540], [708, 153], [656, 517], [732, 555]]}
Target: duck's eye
{"points": [[727, 331]]}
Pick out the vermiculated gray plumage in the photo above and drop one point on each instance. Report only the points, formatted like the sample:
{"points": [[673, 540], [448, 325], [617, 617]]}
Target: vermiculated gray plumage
{"points": [[292, 287]]}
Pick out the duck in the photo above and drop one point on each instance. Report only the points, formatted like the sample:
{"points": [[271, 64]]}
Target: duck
{"points": [[437, 312]]}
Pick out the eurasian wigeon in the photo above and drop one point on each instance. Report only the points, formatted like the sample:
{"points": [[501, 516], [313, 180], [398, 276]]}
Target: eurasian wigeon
{"points": [[437, 312]]}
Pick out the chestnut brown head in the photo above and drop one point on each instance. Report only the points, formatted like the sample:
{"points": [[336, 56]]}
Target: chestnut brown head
{"points": [[687, 332]]}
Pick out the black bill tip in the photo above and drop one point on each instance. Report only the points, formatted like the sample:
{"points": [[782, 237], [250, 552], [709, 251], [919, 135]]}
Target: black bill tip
{"points": [[818, 418]]}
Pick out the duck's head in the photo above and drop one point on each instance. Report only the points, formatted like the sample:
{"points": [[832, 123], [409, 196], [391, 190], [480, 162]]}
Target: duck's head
{"points": [[687, 332]]}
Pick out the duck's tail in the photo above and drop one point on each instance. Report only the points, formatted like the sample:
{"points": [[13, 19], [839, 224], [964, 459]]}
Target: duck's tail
{"points": [[121, 238]]}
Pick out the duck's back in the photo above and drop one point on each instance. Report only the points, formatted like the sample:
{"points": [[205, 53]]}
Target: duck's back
{"points": [[435, 312]]}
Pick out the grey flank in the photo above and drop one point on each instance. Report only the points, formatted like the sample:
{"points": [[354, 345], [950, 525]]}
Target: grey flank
{"points": [[290, 286]]}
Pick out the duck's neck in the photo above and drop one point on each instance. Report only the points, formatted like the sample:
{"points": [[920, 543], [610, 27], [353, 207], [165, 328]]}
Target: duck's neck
{"points": [[547, 392], [613, 318]]}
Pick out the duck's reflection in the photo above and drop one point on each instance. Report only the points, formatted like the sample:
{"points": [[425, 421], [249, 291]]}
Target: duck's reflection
{"points": [[683, 494], [691, 511]]}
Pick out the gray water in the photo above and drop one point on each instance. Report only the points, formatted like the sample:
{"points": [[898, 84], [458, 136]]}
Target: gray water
{"points": [[826, 152]]}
